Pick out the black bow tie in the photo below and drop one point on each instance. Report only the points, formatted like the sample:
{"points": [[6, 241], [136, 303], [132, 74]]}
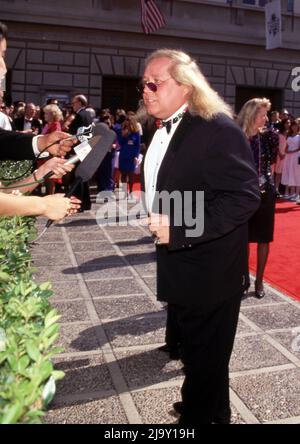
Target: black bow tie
{"points": [[168, 123]]}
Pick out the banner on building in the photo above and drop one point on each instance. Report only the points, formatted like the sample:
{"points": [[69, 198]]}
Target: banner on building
{"points": [[152, 18], [273, 24]]}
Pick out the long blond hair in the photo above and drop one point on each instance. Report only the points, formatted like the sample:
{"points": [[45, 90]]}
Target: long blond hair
{"points": [[247, 115], [203, 100]]}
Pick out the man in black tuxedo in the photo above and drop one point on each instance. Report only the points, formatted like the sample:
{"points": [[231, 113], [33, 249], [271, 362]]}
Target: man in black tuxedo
{"points": [[82, 119], [28, 123], [202, 164], [82, 116]]}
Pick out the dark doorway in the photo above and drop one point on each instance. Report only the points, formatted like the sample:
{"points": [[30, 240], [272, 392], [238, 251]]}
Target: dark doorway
{"points": [[245, 93], [120, 92]]}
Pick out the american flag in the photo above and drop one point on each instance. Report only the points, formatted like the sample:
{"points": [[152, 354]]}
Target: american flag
{"points": [[152, 18]]}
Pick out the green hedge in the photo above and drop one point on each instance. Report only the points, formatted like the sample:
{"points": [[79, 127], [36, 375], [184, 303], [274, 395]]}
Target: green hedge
{"points": [[28, 329]]}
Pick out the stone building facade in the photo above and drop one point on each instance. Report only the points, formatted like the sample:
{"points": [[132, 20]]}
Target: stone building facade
{"points": [[97, 47]]}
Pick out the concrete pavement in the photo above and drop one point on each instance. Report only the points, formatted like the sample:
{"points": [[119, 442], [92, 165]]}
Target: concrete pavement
{"points": [[111, 325]]}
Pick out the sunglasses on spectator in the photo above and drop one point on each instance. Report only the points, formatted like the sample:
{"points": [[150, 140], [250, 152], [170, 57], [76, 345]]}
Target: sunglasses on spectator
{"points": [[153, 86]]}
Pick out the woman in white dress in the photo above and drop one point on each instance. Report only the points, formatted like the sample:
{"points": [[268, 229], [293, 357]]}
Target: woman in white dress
{"points": [[291, 166]]}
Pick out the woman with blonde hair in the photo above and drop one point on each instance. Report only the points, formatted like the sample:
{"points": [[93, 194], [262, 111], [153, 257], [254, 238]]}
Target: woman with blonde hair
{"points": [[53, 117], [264, 144]]}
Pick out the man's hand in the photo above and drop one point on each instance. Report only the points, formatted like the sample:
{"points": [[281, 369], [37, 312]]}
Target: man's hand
{"points": [[59, 146], [159, 227]]}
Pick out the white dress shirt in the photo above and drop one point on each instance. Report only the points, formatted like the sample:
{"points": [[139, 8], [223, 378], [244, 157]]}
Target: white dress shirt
{"points": [[155, 155], [5, 122]]}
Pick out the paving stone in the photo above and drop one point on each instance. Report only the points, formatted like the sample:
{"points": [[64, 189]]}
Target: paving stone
{"points": [[98, 272], [290, 340], [104, 411], [141, 258], [47, 248], [123, 307], [51, 236], [143, 244], [145, 269], [243, 328], [97, 246], [143, 368], [236, 417], [101, 259], [270, 396], [126, 235], [82, 375], [152, 283], [276, 316], [114, 287], [254, 352], [42, 259], [270, 297], [87, 236], [81, 225], [65, 290], [57, 273], [136, 330], [155, 406], [71, 311], [77, 337]]}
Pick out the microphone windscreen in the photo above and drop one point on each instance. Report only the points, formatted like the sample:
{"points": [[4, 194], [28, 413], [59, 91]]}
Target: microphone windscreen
{"points": [[101, 142]]}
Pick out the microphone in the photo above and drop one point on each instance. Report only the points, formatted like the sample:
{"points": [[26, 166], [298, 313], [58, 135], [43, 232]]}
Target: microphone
{"points": [[101, 142], [90, 138], [105, 139], [81, 150]]}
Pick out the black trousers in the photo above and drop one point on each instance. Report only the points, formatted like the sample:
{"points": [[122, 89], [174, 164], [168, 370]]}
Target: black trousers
{"points": [[206, 343], [172, 328]]}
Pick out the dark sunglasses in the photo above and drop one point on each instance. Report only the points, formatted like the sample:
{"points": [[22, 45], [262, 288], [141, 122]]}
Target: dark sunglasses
{"points": [[150, 85]]}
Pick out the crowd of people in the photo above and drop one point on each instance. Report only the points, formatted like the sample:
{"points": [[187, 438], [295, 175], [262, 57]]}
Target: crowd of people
{"points": [[121, 166], [122, 163], [193, 144]]}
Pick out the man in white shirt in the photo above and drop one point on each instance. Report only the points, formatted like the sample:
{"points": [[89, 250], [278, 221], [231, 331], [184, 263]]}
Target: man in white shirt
{"points": [[201, 189], [4, 119]]}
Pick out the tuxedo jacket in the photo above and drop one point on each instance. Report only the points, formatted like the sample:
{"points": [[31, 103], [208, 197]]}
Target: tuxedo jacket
{"points": [[213, 157], [82, 118], [19, 124], [15, 146]]}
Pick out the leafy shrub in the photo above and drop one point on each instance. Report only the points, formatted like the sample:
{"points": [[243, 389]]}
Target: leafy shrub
{"points": [[28, 329]]}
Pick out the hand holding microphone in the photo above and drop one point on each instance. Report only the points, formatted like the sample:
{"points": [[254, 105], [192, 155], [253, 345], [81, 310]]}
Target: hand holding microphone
{"points": [[90, 153], [57, 166], [64, 166]]}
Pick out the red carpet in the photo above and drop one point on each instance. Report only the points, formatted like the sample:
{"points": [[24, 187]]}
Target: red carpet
{"points": [[282, 270]]}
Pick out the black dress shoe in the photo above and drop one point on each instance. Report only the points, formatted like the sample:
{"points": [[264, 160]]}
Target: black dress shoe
{"points": [[164, 348], [259, 292], [178, 407], [174, 352]]}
